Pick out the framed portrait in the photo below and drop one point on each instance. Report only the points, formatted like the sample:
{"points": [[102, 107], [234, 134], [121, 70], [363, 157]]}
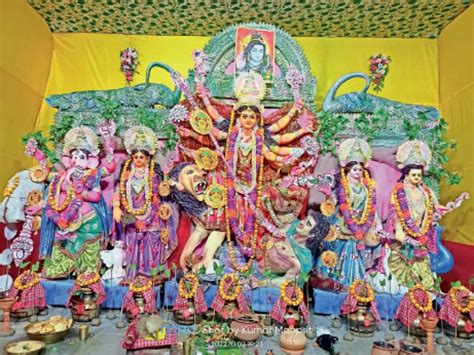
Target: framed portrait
{"points": [[255, 51]]}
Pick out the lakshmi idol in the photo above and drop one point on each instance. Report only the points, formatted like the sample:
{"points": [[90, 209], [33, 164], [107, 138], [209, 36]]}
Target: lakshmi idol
{"points": [[411, 222], [352, 248], [76, 219], [148, 223]]}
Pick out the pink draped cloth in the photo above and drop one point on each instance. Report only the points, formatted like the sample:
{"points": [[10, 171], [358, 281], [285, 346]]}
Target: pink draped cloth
{"points": [[200, 305], [350, 305], [150, 302], [450, 313], [279, 309], [407, 312], [219, 303], [97, 287], [29, 298]]}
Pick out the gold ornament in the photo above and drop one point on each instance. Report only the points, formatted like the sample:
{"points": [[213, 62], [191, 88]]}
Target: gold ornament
{"points": [[205, 158], [165, 211], [329, 258], [33, 198], [10, 188], [200, 122], [164, 189], [38, 174], [164, 236], [328, 207], [215, 196]]}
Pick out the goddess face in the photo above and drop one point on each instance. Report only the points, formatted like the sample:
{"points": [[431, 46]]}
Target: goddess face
{"points": [[139, 159], [356, 172], [415, 176], [257, 52], [80, 158], [248, 119]]}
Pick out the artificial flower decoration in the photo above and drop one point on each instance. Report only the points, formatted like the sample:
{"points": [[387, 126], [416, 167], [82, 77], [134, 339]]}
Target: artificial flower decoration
{"points": [[128, 63], [378, 70]]}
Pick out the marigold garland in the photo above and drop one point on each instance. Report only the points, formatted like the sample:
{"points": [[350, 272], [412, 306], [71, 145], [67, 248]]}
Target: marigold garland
{"points": [[230, 184], [125, 198], [452, 296], [413, 301], [26, 280], [368, 206], [182, 286], [289, 301], [140, 284], [234, 281], [353, 291], [11, 188], [56, 188], [85, 279], [404, 215]]}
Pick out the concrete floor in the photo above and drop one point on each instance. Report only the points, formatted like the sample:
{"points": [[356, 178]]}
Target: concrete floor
{"points": [[106, 338]]}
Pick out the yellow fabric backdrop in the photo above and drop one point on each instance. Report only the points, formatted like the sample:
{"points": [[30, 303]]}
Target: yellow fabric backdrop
{"points": [[91, 62], [456, 61], [26, 45]]}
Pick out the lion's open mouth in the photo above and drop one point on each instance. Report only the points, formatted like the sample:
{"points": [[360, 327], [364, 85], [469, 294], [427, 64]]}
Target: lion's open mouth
{"points": [[200, 187]]}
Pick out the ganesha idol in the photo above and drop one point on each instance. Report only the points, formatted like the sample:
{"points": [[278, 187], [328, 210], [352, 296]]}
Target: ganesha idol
{"points": [[235, 155], [76, 219]]}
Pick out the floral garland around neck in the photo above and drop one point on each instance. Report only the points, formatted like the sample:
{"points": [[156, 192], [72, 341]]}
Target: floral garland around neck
{"points": [[182, 286], [454, 301], [354, 292], [250, 232], [54, 194], [411, 296], [128, 63], [403, 212], [378, 70], [125, 189], [26, 280], [359, 227], [295, 302], [230, 280]]}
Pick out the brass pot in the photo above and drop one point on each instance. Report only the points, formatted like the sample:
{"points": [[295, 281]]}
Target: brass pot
{"points": [[48, 338], [84, 305], [358, 319], [24, 347]]}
